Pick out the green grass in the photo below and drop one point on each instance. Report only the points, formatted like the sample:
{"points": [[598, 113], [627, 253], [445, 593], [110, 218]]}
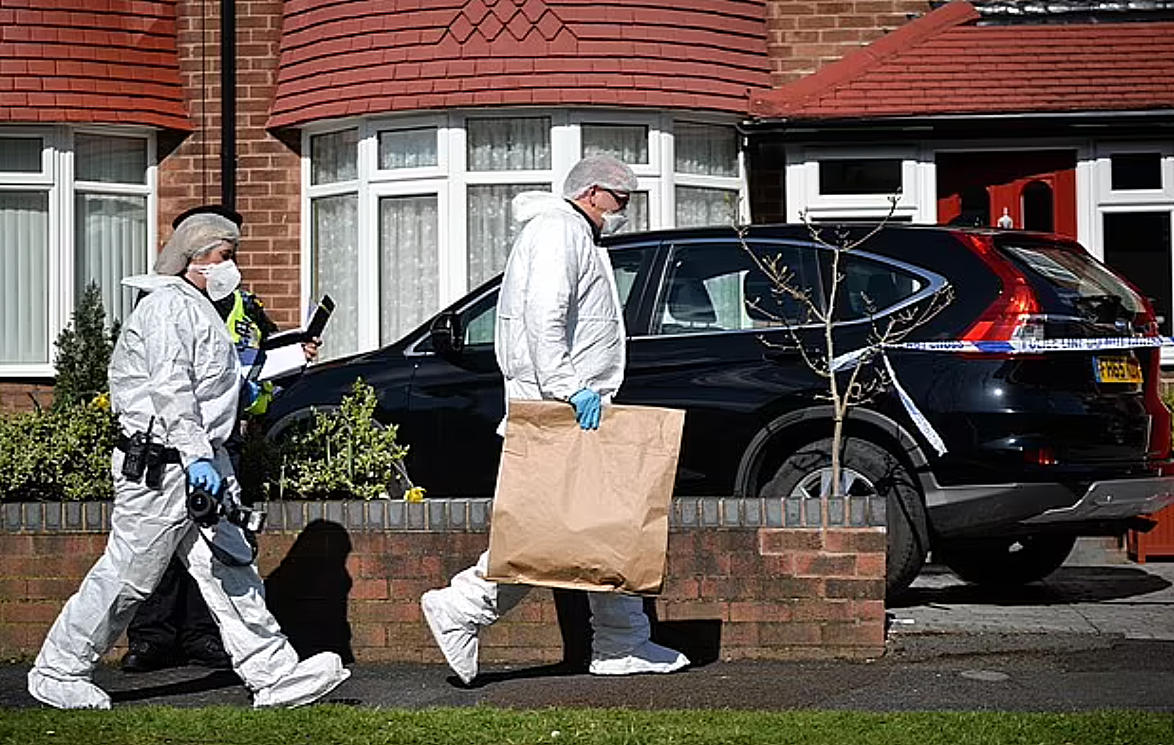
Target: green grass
{"points": [[341, 725]]}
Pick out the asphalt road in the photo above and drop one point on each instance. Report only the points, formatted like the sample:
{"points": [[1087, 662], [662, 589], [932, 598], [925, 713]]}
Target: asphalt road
{"points": [[1093, 635]]}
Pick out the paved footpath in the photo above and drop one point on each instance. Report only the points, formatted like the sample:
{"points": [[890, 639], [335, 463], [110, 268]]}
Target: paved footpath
{"points": [[1091, 636]]}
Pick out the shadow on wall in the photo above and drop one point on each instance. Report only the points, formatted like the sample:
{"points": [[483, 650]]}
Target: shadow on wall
{"points": [[307, 592]]}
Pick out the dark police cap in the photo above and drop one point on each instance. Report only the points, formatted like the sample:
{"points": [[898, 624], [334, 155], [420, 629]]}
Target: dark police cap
{"points": [[215, 209]]}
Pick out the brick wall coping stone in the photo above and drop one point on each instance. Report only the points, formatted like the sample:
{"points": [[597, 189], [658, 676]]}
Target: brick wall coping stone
{"points": [[466, 514]]}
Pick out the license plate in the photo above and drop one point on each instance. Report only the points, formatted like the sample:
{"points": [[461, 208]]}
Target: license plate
{"points": [[1117, 369]]}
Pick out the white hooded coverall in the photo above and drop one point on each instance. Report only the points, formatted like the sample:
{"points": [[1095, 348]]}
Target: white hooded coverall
{"points": [[174, 361], [560, 329]]}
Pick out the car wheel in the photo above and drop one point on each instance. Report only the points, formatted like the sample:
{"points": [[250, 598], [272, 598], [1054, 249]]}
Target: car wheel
{"points": [[1006, 561], [867, 470]]}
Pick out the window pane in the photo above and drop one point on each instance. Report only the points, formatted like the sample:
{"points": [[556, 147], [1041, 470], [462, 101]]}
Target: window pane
{"points": [[637, 213], [24, 277], [334, 244], [521, 144], [407, 148], [1136, 170], [698, 207], [110, 241], [118, 160], [628, 142], [492, 227], [21, 154], [409, 284], [334, 157], [860, 176], [707, 149]]}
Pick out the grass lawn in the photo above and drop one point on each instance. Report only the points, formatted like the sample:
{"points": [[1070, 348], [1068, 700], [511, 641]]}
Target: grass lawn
{"points": [[343, 725]]}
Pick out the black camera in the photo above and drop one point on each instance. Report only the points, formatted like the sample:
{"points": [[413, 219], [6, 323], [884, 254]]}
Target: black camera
{"points": [[206, 508]]}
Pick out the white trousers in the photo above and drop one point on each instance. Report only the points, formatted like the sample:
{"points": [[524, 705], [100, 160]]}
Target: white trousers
{"points": [[618, 622], [146, 528]]}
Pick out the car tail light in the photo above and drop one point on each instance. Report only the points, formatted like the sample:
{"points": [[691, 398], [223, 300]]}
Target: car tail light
{"points": [[1044, 456], [1160, 418], [1015, 313]]}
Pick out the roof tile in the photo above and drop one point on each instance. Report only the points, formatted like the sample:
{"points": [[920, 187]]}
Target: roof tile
{"points": [[546, 42], [944, 64]]}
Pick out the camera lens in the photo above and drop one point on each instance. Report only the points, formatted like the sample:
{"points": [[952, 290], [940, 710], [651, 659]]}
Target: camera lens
{"points": [[203, 508]]}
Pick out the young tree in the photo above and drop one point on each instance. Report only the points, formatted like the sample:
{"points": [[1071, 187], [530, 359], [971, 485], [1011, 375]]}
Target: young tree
{"points": [[83, 351], [855, 376]]}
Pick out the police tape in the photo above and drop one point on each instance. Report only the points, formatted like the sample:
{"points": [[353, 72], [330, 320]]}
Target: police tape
{"points": [[856, 357]]}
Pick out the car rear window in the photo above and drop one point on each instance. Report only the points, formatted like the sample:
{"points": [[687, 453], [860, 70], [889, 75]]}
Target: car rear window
{"points": [[1078, 278]]}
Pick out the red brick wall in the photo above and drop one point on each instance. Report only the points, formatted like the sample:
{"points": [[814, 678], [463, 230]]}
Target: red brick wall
{"points": [[268, 175], [776, 593], [25, 396], [804, 35]]}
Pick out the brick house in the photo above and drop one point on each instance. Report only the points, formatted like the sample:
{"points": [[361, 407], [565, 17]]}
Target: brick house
{"points": [[377, 144]]}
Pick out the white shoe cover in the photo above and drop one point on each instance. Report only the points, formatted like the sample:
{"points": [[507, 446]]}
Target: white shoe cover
{"points": [[313, 678], [647, 658], [76, 693], [457, 641]]}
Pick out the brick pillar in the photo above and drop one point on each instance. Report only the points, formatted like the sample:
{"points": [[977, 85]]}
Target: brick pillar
{"points": [[268, 176], [805, 35]]}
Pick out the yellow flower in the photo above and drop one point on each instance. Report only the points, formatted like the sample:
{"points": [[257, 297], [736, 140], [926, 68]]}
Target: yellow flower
{"points": [[101, 401], [415, 494]]}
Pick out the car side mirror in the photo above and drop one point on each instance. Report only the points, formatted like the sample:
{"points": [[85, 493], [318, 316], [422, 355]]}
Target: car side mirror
{"points": [[448, 339]]}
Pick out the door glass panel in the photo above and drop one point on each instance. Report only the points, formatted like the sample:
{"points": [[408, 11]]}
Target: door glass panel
{"points": [[1038, 203], [1136, 171], [1137, 245]]}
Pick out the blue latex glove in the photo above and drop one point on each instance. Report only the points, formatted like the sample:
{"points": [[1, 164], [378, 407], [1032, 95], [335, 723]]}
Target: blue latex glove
{"points": [[587, 408], [204, 475], [250, 391]]}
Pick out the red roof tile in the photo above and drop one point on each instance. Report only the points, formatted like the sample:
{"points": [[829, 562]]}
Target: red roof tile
{"points": [[943, 63], [509, 51], [87, 61]]}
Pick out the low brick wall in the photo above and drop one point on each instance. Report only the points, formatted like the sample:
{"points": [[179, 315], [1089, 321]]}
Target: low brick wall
{"points": [[746, 578]]}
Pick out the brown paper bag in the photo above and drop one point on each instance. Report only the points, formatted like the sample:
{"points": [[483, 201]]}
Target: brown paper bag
{"points": [[584, 509]]}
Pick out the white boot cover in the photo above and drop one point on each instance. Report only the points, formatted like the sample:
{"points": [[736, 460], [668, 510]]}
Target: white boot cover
{"points": [[313, 678], [76, 693], [620, 644]]}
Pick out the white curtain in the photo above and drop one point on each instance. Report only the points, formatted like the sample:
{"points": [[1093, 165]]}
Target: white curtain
{"points": [[492, 228], [110, 242], [698, 207], [335, 245], [407, 148], [334, 157], [628, 142], [517, 144], [409, 282], [706, 149], [24, 276]]}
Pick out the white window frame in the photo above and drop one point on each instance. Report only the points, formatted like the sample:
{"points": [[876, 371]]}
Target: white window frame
{"points": [[450, 181], [57, 180], [916, 201]]}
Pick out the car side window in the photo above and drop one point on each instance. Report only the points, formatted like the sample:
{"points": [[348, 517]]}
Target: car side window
{"points": [[870, 287], [480, 321], [722, 286]]}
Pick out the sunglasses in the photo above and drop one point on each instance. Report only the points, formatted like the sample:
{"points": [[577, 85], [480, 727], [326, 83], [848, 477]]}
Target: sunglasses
{"points": [[621, 199]]}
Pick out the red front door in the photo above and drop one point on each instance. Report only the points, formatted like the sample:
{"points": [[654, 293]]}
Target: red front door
{"points": [[1025, 190]]}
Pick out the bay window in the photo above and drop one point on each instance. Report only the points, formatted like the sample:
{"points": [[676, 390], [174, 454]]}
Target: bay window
{"points": [[74, 206], [407, 214]]}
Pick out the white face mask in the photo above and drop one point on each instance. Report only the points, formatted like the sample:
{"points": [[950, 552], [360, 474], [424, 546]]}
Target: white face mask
{"points": [[613, 222], [222, 278]]}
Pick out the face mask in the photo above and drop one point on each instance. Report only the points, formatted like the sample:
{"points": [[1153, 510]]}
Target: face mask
{"points": [[222, 278], [613, 222]]}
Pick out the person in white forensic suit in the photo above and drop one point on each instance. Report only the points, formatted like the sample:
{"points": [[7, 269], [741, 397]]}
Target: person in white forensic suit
{"points": [[175, 373], [560, 335]]}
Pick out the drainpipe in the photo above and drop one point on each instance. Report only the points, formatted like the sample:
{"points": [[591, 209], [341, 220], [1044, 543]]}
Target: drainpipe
{"points": [[228, 103]]}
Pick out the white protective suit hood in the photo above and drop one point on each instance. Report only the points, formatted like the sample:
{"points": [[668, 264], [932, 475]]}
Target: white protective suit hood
{"points": [[560, 324]]}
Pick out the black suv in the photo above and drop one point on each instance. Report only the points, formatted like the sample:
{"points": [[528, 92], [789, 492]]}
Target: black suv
{"points": [[1041, 448]]}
